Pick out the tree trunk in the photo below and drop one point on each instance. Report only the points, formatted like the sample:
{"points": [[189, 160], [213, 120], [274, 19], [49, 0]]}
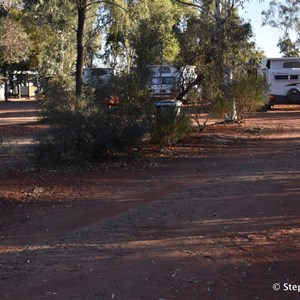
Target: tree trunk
{"points": [[198, 80], [80, 48]]}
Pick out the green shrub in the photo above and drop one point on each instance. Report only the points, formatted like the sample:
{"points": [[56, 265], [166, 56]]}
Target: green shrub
{"points": [[81, 130], [86, 138], [246, 93], [169, 126], [249, 93]]}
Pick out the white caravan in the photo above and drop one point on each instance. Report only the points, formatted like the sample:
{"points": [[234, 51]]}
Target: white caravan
{"points": [[166, 81], [283, 77]]}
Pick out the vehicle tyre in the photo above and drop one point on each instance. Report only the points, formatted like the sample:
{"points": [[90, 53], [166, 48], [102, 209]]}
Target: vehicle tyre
{"points": [[266, 107], [293, 95]]}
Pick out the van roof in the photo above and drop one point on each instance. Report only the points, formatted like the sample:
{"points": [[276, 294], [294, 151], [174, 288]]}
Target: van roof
{"points": [[283, 58]]}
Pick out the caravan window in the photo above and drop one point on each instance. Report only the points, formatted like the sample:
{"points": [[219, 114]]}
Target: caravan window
{"points": [[281, 77], [291, 64], [155, 81], [164, 70], [162, 80], [168, 80], [286, 77]]}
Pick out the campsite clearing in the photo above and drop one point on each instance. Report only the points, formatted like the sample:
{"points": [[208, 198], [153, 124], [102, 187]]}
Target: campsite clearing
{"points": [[214, 217]]}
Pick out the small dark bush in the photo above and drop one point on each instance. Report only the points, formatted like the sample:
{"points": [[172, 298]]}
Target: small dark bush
{"points": [[249, 92], [169, 126], [86, 138], [81, 130]]}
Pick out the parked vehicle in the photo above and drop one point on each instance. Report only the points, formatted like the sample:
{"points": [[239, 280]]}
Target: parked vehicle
{"points": [[283, 77], [167, 81]]}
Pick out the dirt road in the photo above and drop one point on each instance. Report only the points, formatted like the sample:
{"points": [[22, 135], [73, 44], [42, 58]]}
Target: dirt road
{"points": [[216, 217]]}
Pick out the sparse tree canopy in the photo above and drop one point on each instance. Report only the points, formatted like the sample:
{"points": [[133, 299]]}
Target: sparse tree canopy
{"points": [[67, 34], [14, 43], [215, 38], [14, 46], [285, 15], [82, 9], [51, 26]]}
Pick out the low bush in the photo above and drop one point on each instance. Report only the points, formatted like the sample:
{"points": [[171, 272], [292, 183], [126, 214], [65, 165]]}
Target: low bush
{"points": [[86, 138], [81, 130], [249, 92], [169, 125]]}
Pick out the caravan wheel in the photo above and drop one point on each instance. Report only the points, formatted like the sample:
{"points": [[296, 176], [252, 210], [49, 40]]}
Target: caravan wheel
{"points": [[266, 107], [293, 95]]}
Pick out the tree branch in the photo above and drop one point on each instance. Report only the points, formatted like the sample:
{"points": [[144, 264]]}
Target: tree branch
{"points": [[189, 4], [106, 1], [198, 80], [198, 6], [96, 31]]}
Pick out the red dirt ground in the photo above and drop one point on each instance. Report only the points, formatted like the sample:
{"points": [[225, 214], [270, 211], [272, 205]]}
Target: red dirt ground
{"points": [[216, 217]]}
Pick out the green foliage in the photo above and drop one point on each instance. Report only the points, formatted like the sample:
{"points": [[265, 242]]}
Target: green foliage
{"points": [[214, 39], [58, 98], [50, 26], [82, 137], [80, 130], [14, 43], [288, 47], [220, 105], [249, 92], [284, 15], [169, 126], [153, 37], [134, 96], [217, 40], [117, 46]]}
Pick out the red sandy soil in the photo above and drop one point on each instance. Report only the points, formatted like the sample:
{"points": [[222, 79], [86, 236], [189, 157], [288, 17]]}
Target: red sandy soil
{"points": [[215, 217]]}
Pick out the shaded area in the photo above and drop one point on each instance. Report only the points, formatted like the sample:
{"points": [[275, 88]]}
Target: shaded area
{"points": [[217, 218], [18, 112]]}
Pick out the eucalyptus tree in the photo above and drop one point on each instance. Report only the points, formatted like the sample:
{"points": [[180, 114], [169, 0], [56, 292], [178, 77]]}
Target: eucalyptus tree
{"points": [[118, 50], [66, 35], [82, 9], [154, 38], [217, 40], [146, 34], [94, 35], [216, 35], [51, 26], [285, 15], [14, 42]]}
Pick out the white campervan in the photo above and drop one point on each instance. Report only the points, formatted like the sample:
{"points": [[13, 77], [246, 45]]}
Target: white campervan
{"points": [[283, 76], [166, 81]]}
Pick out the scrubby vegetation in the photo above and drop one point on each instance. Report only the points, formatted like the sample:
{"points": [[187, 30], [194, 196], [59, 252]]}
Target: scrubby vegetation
{"points": [[86, 129], [83, 129], [249, 92], [170, 125]]}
